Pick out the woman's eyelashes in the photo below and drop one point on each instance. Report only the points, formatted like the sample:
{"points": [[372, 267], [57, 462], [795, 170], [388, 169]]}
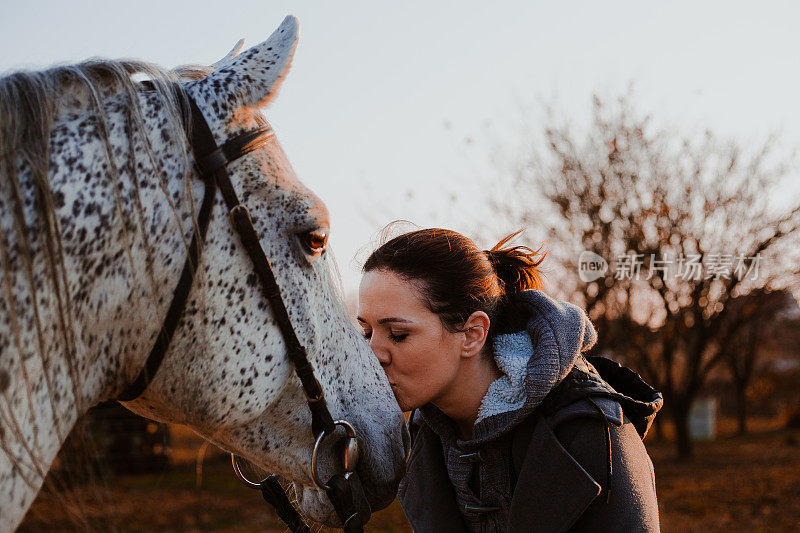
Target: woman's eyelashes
{"points": [[397, 337], [394, 337]]}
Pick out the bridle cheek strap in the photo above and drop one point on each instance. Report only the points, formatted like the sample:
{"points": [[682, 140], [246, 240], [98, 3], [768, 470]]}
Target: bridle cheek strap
{"points": [[214, 163], [344, 490], [211, 161], [179, 299]]}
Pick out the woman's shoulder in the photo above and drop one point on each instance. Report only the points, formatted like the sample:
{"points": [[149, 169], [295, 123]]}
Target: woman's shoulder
{"points": [[594, 455], [578, 425]]}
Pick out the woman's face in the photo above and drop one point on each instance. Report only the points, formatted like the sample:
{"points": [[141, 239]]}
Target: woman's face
{"points": [[420, 357]]}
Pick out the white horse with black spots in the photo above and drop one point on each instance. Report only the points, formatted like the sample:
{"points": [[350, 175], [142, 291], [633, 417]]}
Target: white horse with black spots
{"points": [[98, 195]]}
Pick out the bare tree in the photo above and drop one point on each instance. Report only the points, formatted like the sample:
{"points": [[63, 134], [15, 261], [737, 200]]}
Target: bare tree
{"points": [[755, 320], [685, 223]]}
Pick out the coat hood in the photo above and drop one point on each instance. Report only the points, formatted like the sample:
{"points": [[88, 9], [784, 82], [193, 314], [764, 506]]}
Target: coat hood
{"points": [[537, 359]]}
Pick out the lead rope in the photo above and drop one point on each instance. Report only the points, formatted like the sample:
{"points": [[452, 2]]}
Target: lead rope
{"points": [[273, 494]]}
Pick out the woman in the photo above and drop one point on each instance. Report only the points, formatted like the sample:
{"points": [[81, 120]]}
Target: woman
{"points": [[513, 427]]}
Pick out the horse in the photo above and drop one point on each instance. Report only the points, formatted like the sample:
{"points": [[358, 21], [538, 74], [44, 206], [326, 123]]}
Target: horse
{"points": [[98, 205]]}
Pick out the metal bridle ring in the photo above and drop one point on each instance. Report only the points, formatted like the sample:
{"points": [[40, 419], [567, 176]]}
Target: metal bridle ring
{"points": [[242, 477], [351, 434]]}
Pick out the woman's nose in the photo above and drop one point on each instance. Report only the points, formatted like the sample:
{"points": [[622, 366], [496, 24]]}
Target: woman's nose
{"points": [[380, 352]]}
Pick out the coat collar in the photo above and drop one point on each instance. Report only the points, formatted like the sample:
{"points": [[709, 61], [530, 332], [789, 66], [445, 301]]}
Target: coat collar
{"points": [[553, 490], [425, 492]]}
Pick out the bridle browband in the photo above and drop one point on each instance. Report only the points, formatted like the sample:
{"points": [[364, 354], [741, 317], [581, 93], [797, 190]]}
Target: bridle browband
{"points": [[344, 490]]}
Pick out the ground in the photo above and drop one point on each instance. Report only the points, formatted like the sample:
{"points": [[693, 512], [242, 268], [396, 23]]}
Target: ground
{"points": [[749, 483]]}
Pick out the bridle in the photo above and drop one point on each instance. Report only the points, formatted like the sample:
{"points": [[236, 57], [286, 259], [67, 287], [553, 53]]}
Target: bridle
{"points": [[343, 489]]}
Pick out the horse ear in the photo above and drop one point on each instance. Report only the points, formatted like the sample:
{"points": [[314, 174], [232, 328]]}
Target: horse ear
{"points": [[230, 56], [252, 78]]}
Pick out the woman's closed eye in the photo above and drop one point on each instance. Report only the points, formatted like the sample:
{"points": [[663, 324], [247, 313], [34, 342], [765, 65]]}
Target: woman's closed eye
{"points": [[394, 337], [397, 337]]}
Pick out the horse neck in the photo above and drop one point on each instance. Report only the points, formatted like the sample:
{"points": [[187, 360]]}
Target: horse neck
{"points": [[81, 325]]}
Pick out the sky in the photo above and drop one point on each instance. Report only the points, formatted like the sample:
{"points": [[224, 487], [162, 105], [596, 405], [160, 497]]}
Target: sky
{"points": [[391, 109]]}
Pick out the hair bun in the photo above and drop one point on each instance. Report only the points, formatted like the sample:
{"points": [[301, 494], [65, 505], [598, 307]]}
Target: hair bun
{"points": [[517, 267]]}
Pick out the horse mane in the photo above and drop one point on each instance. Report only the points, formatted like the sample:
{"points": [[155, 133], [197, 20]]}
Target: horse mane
{"points": [[31, 103]]}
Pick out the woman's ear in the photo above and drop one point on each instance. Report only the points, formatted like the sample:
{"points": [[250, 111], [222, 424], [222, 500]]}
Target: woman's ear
{"points": [[476, 331]]}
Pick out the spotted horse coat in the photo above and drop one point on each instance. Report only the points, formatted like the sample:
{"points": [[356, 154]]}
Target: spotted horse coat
{"points": [[97, 199]]}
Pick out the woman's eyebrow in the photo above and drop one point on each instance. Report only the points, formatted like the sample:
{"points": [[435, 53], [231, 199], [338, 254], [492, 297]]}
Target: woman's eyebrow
{"points": [[387, 320], [393, 319]]}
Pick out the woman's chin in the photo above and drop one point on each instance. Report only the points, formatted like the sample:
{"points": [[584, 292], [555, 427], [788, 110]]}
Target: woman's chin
{"points": [[401, 400], [405, 406]]}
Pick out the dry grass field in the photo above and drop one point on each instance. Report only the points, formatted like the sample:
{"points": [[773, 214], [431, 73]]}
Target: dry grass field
{"points": [[734, 483]]}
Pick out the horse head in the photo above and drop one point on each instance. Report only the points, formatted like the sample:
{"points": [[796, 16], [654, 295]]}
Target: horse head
{"points": [[123, 210]]}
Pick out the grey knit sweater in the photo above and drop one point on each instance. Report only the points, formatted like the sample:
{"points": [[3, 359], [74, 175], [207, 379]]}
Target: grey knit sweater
{"points": [[533, 362]]}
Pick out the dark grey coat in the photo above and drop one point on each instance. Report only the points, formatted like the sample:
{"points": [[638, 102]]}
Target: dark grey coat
{"points": [[562, 469]]}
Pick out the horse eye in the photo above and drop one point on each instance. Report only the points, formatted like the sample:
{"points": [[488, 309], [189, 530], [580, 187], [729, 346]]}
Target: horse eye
{"points": [[315, 241]]}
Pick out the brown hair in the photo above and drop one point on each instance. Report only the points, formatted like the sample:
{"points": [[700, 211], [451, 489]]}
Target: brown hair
{"points": [[456, 278]]}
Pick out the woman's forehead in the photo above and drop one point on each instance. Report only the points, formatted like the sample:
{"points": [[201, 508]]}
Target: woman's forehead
{"points": [[383, 291]]}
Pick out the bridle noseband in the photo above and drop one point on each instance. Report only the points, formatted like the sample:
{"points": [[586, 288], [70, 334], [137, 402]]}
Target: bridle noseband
{"points": [[344, 490]]}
